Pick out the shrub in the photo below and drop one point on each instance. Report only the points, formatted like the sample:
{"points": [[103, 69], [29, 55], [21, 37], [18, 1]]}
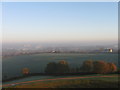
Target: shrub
{"points": [[25, 71], [112, 67]]}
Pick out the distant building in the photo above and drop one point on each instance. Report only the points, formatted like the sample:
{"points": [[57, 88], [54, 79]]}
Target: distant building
{"points": [[53, 51], [108, 50]]}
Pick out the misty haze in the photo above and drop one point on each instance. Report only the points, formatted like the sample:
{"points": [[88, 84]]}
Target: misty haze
{"points": [[65, 44]]}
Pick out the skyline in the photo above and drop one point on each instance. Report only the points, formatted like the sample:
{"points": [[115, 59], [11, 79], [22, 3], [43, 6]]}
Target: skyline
{"points": [[60, 22]]}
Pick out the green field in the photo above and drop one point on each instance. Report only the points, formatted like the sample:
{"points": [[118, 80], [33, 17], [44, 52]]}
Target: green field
{"points": [[13, 66], [95, 82]]}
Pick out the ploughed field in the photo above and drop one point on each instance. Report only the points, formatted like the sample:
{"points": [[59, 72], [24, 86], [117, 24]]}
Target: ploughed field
{"points": [[12, 66]]}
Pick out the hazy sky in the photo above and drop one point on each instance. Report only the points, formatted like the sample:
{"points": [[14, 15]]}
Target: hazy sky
{"points": [[60, 22]]}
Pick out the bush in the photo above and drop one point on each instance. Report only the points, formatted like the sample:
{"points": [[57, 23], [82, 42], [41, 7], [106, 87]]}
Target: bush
{"points": [[25, 71], [112, 67]]}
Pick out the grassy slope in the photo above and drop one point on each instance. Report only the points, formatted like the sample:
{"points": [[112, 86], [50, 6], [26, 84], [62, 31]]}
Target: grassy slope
{"points": [[99, 82]]}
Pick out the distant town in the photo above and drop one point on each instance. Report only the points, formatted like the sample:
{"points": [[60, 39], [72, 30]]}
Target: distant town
{"points": [[28, 49]]}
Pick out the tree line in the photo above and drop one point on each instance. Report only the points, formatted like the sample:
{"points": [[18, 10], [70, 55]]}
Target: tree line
{"points": [[90, 66]]}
